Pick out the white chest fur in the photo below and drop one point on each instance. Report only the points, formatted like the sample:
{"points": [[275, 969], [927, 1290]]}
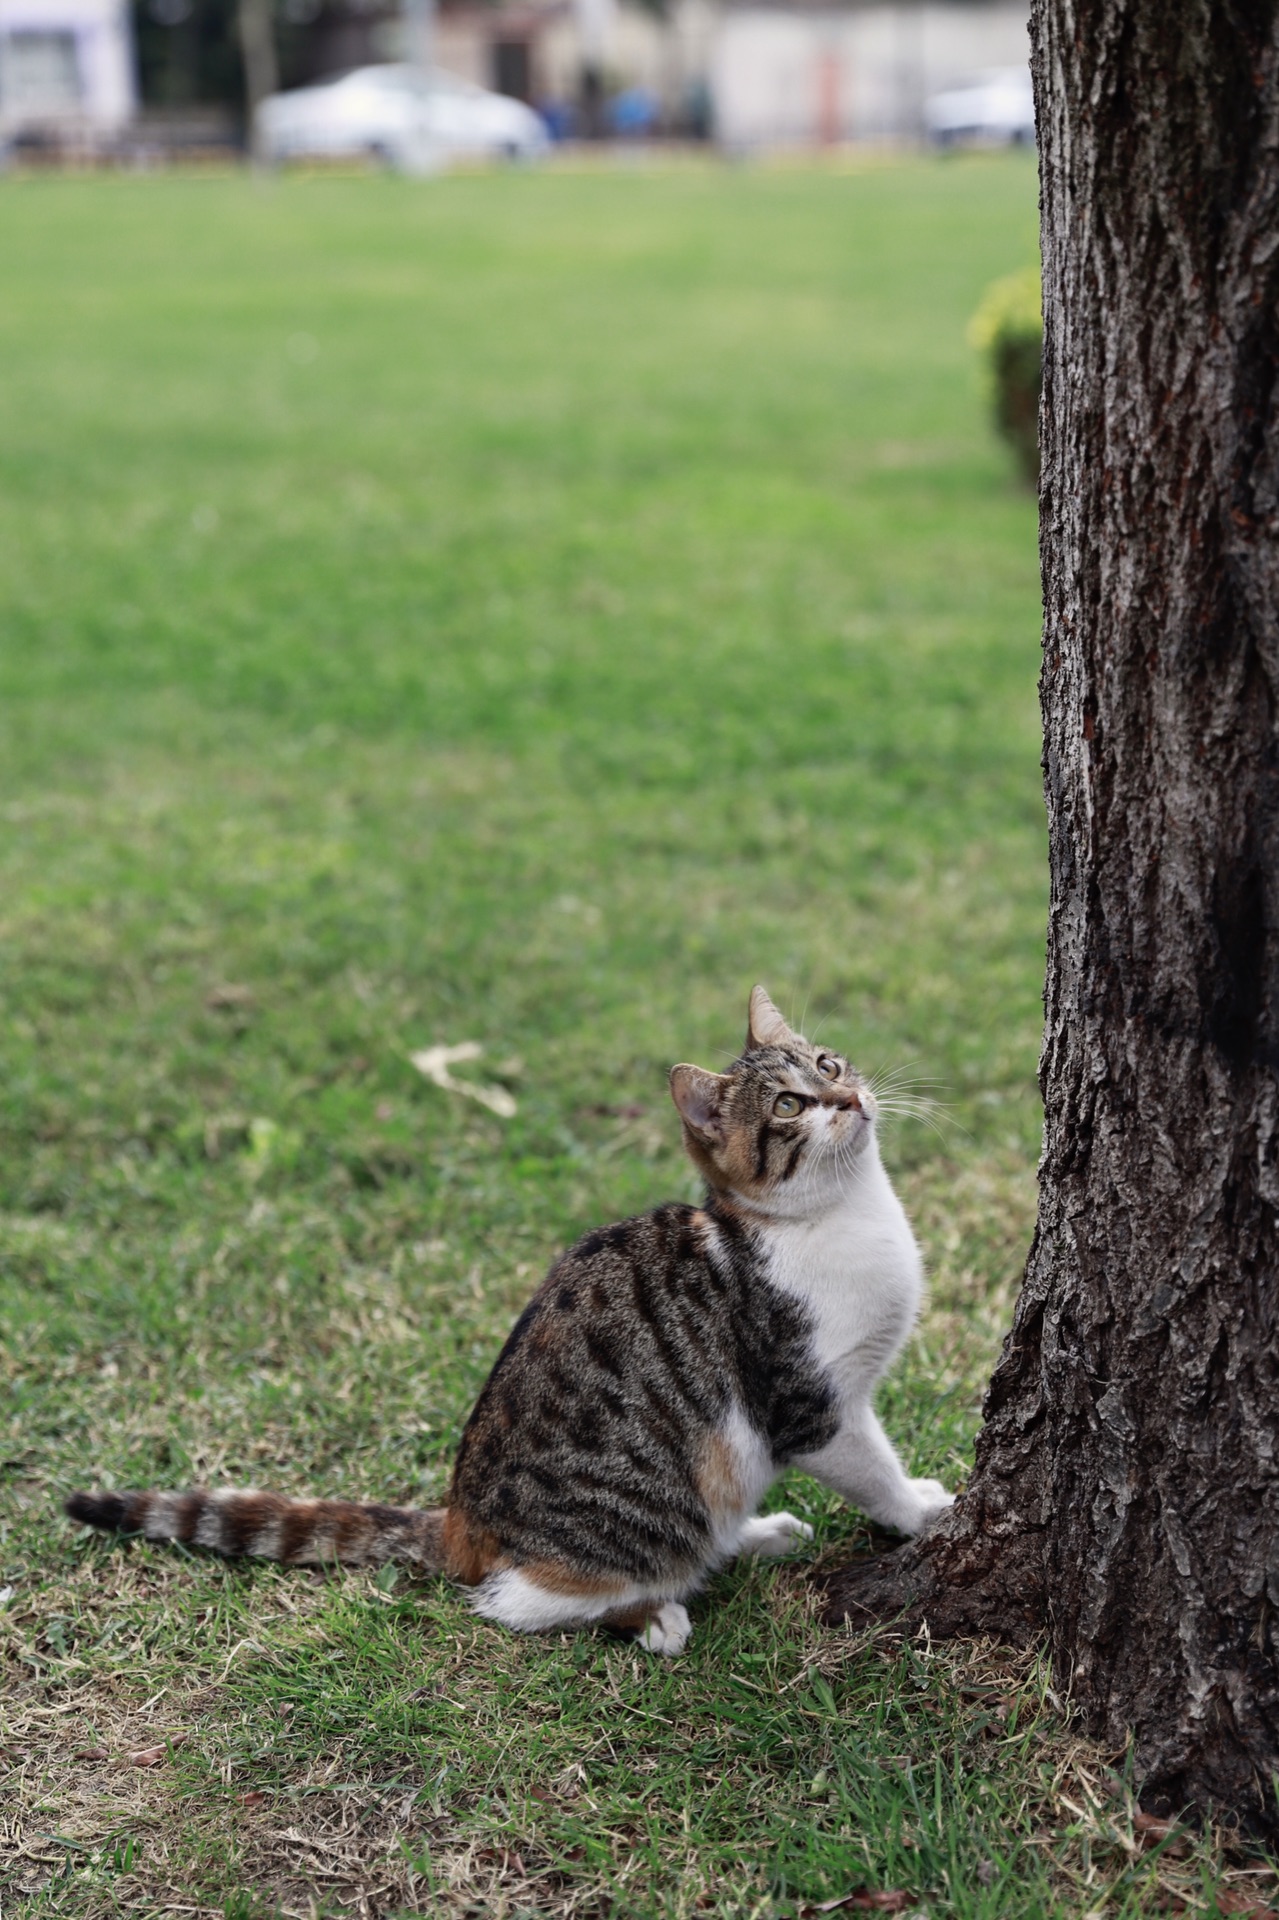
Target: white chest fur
{"points": [[857, 1271]]}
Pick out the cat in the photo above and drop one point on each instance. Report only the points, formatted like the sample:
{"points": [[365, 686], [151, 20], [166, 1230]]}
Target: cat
{"points": [[664, 1374]]}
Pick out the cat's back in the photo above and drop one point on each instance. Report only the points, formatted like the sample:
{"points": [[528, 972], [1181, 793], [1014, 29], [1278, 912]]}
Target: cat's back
{"points": [[585, 1443], [626, 1301], [645, 1338]]}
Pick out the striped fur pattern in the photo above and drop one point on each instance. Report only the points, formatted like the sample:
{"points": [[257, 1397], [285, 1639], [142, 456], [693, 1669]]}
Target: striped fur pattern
{"points": [[664, 1373], [606, 1438], [267, 1526]]}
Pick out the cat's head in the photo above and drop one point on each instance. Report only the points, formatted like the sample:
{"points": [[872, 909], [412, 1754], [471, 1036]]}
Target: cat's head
{"points": [[787, 1122]]}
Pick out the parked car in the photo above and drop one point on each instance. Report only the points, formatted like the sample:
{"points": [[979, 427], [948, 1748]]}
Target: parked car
{"points": [[399, 116], [995, 110]]}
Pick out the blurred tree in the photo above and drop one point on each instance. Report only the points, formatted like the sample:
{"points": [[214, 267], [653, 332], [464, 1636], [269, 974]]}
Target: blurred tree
{"points": [[1125, 1498], [187, 52], [256, 27], [191, 53]]}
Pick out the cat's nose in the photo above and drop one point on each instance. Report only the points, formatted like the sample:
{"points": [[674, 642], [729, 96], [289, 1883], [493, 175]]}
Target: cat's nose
{"points": [[853, 1104]]}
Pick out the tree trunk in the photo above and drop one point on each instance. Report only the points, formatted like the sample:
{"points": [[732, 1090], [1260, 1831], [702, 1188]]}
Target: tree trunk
{"points": [[1125, 1496], [261, 67]]}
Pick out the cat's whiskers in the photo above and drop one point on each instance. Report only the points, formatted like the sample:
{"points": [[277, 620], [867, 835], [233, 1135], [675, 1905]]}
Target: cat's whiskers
{"points": [[840, 1166], [928, 1112], [820, 1024], [900, 1094], [898, 1078]]}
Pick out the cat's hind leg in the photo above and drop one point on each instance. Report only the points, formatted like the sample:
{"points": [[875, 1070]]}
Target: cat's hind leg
{"points": [[771, 1533], [542, 1599], [528, 1600], [660, 1627]]}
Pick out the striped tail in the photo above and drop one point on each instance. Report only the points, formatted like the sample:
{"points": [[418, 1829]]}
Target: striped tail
{"points": [[268, 1526]]}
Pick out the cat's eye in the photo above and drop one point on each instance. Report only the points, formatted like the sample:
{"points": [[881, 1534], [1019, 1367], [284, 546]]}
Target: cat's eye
{"points": [[787, 1105], [828, 1068]]}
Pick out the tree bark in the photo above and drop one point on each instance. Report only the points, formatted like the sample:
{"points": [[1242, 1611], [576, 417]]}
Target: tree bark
{"points": [[1125, 1496]]}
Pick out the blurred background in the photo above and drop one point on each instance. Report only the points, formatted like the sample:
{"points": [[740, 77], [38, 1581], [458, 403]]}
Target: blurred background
{"points": [[145, 81]]}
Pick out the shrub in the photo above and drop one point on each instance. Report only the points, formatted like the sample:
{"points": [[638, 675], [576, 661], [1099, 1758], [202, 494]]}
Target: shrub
{"points": [[1008, 329]]}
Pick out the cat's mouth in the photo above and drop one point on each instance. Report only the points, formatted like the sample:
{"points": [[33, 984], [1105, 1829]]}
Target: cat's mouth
{"points": [[850, 1122]]}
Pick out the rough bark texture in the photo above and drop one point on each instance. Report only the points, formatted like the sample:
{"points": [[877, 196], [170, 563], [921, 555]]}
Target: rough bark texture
{"points": [[1125, 1497]]}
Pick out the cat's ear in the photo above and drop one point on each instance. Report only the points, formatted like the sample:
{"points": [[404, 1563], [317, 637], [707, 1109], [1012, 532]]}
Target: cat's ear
{"points": [[766, 1028], [700, 1098]]}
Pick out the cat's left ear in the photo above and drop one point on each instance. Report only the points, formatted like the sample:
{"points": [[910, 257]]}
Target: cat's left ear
{"points": [[700, 1098], [765, 1026]]}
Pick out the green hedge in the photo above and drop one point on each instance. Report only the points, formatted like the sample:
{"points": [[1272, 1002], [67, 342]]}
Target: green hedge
{"points": [[1008, 329]]}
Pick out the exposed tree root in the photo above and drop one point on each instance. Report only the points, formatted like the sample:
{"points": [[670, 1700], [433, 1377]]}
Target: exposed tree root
{"points": [[962, 1579]]}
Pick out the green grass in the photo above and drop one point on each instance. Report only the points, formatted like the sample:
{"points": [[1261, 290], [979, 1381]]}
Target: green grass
{"points": [[524, 610]]}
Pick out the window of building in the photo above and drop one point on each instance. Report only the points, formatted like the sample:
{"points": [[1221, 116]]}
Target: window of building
{"points": [[512, 69], [39, 71]]}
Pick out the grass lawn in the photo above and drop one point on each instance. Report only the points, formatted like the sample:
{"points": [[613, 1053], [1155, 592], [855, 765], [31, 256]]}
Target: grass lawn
{"points": [[523, 610]]}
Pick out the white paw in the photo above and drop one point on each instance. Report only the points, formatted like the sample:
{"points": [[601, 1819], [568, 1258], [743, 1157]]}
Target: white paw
{"points": [[667, 1632], [931, 1499], [770, 1533]]}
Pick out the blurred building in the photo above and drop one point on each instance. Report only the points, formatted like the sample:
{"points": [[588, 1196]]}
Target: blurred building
{"points": [[810, 75], [753, 73], [575, 57], [757, 73], [66, 72]]}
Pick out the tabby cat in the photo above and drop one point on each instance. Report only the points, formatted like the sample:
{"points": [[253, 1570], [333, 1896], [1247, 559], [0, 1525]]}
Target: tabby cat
{"points": [[663, 1375]]}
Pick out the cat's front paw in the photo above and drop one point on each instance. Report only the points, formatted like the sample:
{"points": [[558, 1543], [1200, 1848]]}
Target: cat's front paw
{"points": [[772, 1533], [931, 1499], [667, 1631]]}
